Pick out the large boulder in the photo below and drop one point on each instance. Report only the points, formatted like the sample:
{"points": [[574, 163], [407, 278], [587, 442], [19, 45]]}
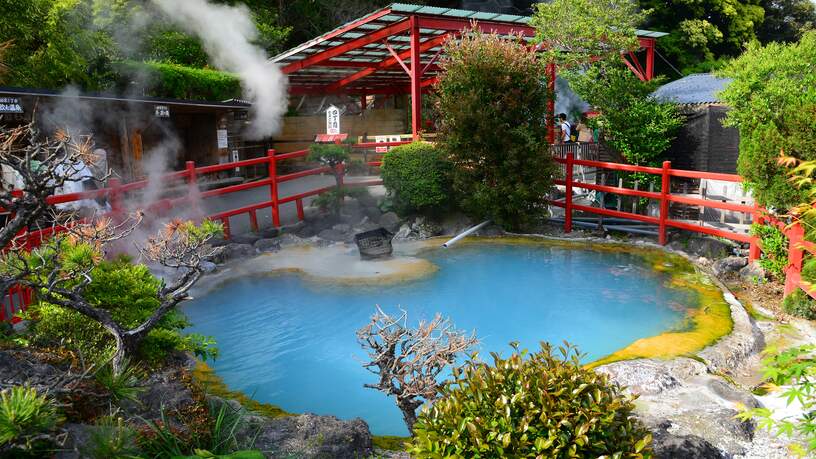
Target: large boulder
{"points": [[753, 272], [668, 446], [709, 247], [425, 228], [268, 245], [728, 265], [454, 224], [246, 238], [390, 221], [237, 251]]}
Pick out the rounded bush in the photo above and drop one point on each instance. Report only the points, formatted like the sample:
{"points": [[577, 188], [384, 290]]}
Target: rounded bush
{"points": [[541, 405], [417, 175]]}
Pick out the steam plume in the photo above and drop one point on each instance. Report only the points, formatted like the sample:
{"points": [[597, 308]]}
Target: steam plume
{"points": [[227, 33]]}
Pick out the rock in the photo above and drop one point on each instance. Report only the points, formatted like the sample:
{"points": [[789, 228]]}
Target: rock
{"points": [[743, 430], [165, 392], [342, 227], [290, 240], [752, 272], [309, 436], [390, 221], [333, 235], [269, 233], [403, 233], [76, 437], [247, 238], [219, 242], [372, 212], [367, 200], [728, 265], [208, 267], [306, 232], [709, 247], [491, 230], [237, 250], [323, 222], [425, 228], [668, 446], [732, 394], [268, 245], [652, 376], [454, 224]]}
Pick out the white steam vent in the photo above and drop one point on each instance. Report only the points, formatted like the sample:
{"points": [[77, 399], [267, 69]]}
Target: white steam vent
{"points": [[227, 33]]}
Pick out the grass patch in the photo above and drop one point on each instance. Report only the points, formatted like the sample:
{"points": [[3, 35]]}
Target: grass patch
{"points": [[205, 376], [389, 442]]}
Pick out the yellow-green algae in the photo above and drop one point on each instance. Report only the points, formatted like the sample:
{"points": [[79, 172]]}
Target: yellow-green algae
{"points": [[212, 384]]}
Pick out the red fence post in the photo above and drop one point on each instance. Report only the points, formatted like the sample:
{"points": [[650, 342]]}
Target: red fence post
{"points": [[191, 173], [755, 252], [115, 198], [568, 200], [793, 273], [665, 190], [273, 186], [300, 214]]}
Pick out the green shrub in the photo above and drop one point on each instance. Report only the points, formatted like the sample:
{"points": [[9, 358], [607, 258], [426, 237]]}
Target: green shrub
{"points": [[774, 249], [417, 176], [112, 439], [800, 304], [492, 102], [128, 292], [809, 270], [24, 414], [537, 405], [121, 386], [182, 82]]}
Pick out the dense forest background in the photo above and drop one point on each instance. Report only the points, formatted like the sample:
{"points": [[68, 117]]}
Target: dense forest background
{"points": [[125, 46]]}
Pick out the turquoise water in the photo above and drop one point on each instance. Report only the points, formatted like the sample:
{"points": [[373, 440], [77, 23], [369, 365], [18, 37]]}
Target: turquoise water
{"points": [[290, 342]]}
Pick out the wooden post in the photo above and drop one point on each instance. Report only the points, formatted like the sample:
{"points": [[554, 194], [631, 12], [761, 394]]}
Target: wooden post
{"points": [[273, 186], [755, 252], [115, 198], [568, 200], [793, 273], [665, 189]]}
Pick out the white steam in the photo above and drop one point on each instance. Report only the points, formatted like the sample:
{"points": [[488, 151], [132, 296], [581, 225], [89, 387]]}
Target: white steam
{"points": [[227, 33]]}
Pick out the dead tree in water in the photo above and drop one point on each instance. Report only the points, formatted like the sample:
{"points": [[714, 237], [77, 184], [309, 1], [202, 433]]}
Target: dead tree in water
{"points": [[408, 360]]}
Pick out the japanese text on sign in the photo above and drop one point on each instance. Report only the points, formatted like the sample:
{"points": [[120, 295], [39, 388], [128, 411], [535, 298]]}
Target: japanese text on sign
{"points": [[333, 120]]}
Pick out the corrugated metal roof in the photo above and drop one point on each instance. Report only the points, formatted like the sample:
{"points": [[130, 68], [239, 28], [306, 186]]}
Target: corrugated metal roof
{"points": [[698, 88]]}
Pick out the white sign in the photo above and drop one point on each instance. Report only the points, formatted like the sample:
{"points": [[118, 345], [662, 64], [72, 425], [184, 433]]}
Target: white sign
{"points": [[333, 120], [10, 105], [384, 139], [235, 159], [162, 111], [222, 138]]}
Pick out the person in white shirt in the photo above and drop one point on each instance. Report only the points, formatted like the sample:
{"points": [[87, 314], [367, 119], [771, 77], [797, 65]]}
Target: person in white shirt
{"points": [[565, 128]]}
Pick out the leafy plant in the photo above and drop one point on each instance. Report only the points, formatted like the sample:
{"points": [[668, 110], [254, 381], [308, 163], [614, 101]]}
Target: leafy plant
{"points": [[774, 245], [182, 82], [418, 177], [121, 386], [492, 102], [799, 304], [794, 370], [332, 200], [530, 405], [111, 439], [23, 415], [772, 101]]}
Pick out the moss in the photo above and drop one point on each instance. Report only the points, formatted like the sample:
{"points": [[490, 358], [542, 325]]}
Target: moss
{"points": [[205, 377], [389, 442], [756, 315]]}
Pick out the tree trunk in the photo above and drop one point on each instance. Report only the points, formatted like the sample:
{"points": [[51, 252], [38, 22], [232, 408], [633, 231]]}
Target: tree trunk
{"points": [[408, 408], [126, 346]]}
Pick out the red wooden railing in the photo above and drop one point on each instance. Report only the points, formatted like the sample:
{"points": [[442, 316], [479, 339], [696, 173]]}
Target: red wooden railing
{"points": [[18, 298], [664, 197]]}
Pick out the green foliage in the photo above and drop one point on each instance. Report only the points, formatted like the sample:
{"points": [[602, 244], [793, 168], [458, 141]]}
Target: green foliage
{"points": [[794, 370], [54, 43], [328, 154], [332, 200], [702, 34], [204, 454], [774, 246], [121, 386], [799, 304], [111, 439], [23, 414], [537, 405], [786, 20], [492, 100], [575, 31], [639, 127], [129, 293], [418, 177], [182, 82], [773, 104]]}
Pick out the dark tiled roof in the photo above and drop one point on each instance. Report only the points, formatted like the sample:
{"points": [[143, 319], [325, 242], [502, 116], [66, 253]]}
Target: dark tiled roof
{"points": [[698, 88], [232, 103]]}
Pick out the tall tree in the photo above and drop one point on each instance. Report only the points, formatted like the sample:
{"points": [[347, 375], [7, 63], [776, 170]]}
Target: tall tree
{"points": [[786, 20], [703, 32]]}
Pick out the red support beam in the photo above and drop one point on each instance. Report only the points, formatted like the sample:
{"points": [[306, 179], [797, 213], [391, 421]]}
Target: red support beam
{"points": [[397, 58], [390, 62], [350, 45], [416, 79], [458, 25]]}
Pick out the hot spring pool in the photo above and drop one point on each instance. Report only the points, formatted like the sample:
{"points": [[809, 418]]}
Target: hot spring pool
{"points": [[289, 341]]}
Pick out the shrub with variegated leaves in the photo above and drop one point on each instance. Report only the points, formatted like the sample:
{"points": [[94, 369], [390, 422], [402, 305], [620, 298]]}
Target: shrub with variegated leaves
{"points": [[539, 405]]}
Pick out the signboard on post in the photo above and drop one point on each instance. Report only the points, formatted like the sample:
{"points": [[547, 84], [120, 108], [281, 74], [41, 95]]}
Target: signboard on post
{"points": [[333, 120], [221, 135], [162, 111], [10, 105]]}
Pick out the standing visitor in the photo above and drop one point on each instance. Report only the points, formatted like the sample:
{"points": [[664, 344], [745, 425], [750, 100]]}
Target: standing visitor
{"points": [[565, 128], [585, 134]]}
